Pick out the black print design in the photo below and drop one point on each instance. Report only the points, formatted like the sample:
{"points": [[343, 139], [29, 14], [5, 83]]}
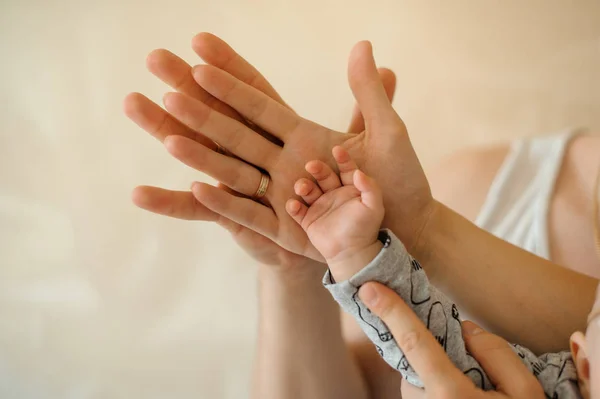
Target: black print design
{"points": [[384, 336], [379, 350], [560, 380], [518, 350], [416, 265], [403, 364], [476, 376], [437, 323], [562, 369], [537, 367], [384, 238], [331, 280], [455, 314], [417, 281]]}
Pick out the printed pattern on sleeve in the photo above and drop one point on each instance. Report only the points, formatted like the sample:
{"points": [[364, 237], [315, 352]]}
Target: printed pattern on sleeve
{"points": [[395, 268]]}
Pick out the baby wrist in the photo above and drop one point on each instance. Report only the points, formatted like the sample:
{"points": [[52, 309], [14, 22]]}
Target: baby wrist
{"points": [[349, 262]]}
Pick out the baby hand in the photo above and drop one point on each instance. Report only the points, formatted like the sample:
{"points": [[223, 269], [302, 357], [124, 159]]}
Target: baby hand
{"points": [[343, 215]]}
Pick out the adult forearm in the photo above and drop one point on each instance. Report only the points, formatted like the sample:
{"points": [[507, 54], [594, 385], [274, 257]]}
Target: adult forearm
{"points": [[301, 353], [510, 291]]}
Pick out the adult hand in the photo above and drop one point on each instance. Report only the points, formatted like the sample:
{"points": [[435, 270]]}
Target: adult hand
{"points": [[440, 377], [400, 176], [160, 124]]}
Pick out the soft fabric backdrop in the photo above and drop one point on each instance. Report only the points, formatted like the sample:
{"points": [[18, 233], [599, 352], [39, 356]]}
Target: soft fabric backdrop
{"points": [[101, 300]]}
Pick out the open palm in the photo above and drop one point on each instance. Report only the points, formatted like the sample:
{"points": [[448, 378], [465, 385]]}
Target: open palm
{"points": [[196, 150]]}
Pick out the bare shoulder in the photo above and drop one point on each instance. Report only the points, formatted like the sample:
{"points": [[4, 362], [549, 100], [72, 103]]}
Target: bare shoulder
{"points": [[461, 181], [583, 146]]}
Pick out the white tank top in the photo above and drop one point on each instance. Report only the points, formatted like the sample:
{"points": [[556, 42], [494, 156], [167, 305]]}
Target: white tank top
{"points": [[516, 206]]}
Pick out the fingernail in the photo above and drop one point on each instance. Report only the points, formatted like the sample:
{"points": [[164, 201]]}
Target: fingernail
{"points": [[192, 185], [470, 328], [368, 295]]}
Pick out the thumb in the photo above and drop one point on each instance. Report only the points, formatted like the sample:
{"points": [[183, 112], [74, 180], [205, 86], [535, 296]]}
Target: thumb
{"points": [[504, 368], [366, 85], [388, 80], [369, 191]]}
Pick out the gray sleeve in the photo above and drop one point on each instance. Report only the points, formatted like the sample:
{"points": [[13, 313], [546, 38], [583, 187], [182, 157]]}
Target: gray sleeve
{"points": [[395, 268]]}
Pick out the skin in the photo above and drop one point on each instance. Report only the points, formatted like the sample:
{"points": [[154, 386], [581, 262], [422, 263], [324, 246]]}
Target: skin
{"points": [[402, 179], [441, 379], [507, 373], [429, 230], [587, 354], [288, 329], [341, 215], [301, 138], [462, 181]]}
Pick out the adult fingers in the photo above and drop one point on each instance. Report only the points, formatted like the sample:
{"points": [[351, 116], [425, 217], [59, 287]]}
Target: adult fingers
{"points": [[218, 53], [158, 122], [251, 103], [367, 87], [231, 134], [183, 205], [422, 351], [232, 172], [388, 79], [178, 74], [176, 204], [240, 210], [504, 368]]}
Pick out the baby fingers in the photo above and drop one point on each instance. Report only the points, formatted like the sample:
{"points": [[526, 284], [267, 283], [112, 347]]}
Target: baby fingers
{"points": [[326, 178], [297, 210], [308, 190], [346, 165]]}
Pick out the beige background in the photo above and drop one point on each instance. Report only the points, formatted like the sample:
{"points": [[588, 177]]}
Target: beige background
{"points": [[101, 300]]}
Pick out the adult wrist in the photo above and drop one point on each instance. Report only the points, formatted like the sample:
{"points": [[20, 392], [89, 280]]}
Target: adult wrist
{"points": [[301, 275], [428, 237]]}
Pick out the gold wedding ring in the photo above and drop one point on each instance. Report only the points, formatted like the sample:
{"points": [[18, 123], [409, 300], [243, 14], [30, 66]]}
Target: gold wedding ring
{"points": [[262, 186]]}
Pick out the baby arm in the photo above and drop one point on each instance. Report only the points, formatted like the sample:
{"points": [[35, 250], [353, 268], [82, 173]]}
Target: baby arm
{"points": [[342, 221]]}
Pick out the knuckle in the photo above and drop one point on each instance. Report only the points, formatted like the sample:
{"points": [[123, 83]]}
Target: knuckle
{"points": [[228, 92], [197, 119], [162, 128], [408, 341], [234, 180], [253, 79], [235, 137], [256, 107], [485, 343]]}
